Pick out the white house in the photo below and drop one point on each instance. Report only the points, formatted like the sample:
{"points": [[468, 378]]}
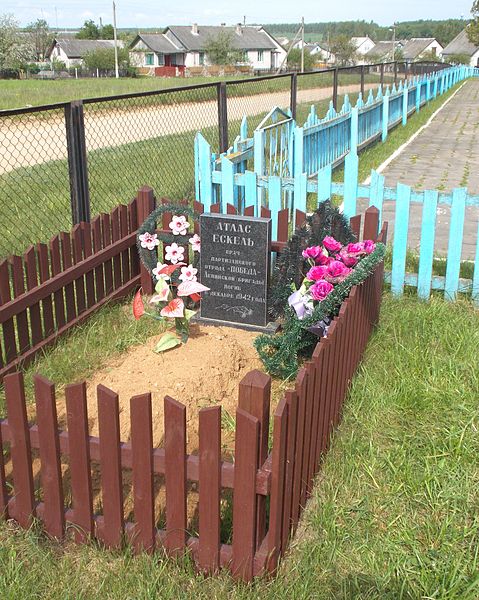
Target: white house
{"points": [[320, 50], [72, 51], [362, 44], [461, 45], [416, 48], [184, 46]]}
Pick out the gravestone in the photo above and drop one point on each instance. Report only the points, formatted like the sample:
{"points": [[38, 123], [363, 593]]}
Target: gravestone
{"points": [[235, 265]]}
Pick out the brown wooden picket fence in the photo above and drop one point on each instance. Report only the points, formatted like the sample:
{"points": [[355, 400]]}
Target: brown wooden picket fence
{"points": [[302, 426]]}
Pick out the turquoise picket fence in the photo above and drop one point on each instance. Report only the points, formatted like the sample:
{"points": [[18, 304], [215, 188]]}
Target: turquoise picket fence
{"points": [[274, 167]]}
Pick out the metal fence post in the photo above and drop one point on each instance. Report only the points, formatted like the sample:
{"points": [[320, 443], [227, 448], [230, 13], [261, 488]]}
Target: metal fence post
{"points": [[382, 75], [222, 116], [77, 162], [395, 73], [294, 94], [362, 81], [335, 88]]}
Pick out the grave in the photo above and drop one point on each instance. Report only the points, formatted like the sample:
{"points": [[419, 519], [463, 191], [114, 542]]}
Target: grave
{"points": [[235, 264]]}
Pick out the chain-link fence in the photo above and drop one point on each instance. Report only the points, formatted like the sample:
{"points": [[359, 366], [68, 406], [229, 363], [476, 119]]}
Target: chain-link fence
{"points": [[64, 163]]}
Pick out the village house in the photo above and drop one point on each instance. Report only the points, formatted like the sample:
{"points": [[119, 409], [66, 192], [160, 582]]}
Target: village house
{"points": [[363, 44], [183, 47], [320, 50], [462, 46], [72, 51], [418, 48]]}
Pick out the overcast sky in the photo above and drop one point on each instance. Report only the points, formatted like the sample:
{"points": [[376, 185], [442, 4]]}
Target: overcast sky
{"points": [[149, 13]]}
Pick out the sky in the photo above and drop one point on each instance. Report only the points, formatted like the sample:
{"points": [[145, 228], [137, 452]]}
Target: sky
{"points": [[150, 13]]}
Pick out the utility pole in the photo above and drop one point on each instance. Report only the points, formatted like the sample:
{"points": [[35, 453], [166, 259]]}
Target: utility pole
{"points": [[393, 53], [117, 75], [302, 44]]}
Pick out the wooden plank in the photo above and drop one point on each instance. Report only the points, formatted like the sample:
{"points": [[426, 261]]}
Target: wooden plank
{"points": [[301, 390], [8, 327], [249, 211], [65, 242], [132, 227], [227, 182], [18, 278], [175, 476], [115, 236], [324, 183], [51, 472], [20, 450], [125, 255], [376, 192], [3, 484], [32, 282], [274, 203], [371, 224], [283, 225], [210, 489], [231, 209], [251, 192], [254, 398], [426, 251], [401, 225], [292, 400], [142, 475], [97, 247], [77, 240], [87, 252], [106, 238], [306, 473], [454, 248], [47, 303], [79, 460], [355, 224], [300, 218], [56, 265], [110, 465], [244, 495], [278, 475]]}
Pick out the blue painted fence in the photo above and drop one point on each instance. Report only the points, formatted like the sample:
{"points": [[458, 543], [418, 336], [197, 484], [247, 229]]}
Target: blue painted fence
{"points": [[275, 167]]}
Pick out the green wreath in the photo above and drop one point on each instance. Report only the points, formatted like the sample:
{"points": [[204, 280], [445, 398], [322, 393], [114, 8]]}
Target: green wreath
{"points": [[150, 257]]}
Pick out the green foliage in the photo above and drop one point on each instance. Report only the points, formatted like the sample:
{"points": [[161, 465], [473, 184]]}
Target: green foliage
{"points": [[40, 37], [344, 50], [15, 50], [104, 58], [459, 59], [473, 27], [89, 31], [107, 32], [294, 59], [220, 50]]}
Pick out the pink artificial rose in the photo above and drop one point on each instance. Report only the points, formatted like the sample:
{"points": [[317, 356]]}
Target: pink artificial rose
{"points": [[323, 258], [331, 244], [312, 252], [320, 290], [338, 269], [316, 273], [348, 259], [355, 249], [369, 246]]}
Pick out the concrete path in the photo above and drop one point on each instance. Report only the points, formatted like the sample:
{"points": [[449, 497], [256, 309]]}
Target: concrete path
{"points": [[444, 156]]}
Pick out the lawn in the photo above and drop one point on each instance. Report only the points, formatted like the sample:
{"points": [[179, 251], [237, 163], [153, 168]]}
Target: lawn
{"points": [[115, 174], [34, 92], [393, 514]]}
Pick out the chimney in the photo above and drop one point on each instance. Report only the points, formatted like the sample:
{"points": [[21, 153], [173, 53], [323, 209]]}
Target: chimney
{"points": [[239, 29], [194, 29]]}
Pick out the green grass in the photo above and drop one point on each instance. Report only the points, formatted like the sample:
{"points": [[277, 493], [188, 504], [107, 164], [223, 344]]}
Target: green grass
{"points": [[393, 515], [31, 92]]}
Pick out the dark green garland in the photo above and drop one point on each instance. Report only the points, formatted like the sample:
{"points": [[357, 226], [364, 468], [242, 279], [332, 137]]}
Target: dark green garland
{"points": [[326, 220], [150, 257], [280, 352]]}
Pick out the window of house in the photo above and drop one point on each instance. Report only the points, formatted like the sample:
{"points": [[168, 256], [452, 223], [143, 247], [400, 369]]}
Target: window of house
{"points": [[260, 56], [201, 58], [434, 50], [149, 59], [161, 59]]}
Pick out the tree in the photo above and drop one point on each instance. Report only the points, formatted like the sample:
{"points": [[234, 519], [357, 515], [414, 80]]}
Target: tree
{"points": [[89, 31], [294, 59], [15, 50], [107, 32], [344, 50], [40, 37], [220, 50], [458, 59], [473, 27], [104, 59]]}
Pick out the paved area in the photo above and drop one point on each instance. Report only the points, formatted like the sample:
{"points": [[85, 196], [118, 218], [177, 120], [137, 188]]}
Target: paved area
{"points": [[444, 156]]}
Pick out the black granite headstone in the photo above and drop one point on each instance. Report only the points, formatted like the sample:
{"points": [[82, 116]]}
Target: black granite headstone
{"points": [[235, 265]]}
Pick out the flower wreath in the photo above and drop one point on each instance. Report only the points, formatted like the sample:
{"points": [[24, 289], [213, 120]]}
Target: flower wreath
{"points": [[177, 288]]}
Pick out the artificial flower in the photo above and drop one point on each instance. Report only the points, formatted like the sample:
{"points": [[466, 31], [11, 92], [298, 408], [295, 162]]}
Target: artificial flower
{"points": [[348, 259], [317, 272], [337, 269], [175, 308], [312, 252], [369, 246], [331, 244], [174, 253], [179, 225], [320, 290], [149, 240], [195, 242], [189, 288], [138, 308], [188, 273], [160, 272]]}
